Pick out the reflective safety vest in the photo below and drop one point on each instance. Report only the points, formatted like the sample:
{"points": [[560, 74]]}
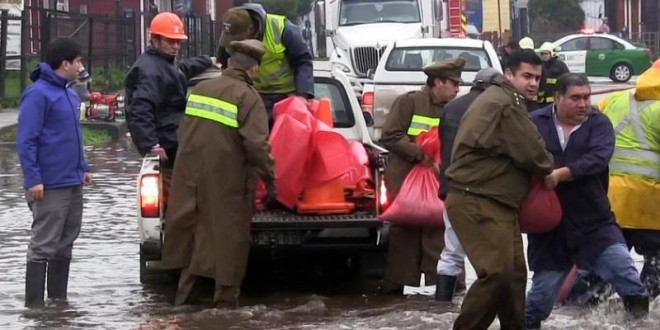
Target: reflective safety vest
{"points": [[420, 124], [541, 97], [213, 109], [275, 75], [636, 152]]}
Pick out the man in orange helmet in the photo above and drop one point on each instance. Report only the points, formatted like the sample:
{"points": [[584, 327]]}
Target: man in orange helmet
{"points": [[156, 92]]}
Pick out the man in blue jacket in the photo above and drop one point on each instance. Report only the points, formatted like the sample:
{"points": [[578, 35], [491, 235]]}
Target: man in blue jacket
{"points": [[50, 149], [581, 141]]}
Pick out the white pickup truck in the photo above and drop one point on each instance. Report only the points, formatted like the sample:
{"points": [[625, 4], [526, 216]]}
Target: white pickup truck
{"points": [[359, 238], [400, 70]]}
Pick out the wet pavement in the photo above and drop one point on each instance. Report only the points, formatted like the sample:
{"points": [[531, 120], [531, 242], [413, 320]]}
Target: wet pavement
{"points": [[105, 292]]}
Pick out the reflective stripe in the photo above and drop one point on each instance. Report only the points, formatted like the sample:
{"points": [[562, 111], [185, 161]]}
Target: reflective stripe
{"points": [[277, 36], [635, 170], [633, 118], [550, 99], [551, 81], [212, 109], [420, 124], [646, 155]]}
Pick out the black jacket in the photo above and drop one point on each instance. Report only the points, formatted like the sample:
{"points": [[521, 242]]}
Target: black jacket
{"points": [[156, 98], [299, 56], [449, 122], [552, 69]]}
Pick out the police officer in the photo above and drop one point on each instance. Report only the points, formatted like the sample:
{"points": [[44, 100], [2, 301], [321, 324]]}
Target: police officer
{"points": [[286, 68], [224, 130], [414, 250], [553, 68], [156, 92], [496, 150], [452, 260]]}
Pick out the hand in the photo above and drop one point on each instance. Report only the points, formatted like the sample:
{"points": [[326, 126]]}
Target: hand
{"points": [[214, 60], [427, 161], [87, 180], [160, 152], [36, 192], [558, 175]]}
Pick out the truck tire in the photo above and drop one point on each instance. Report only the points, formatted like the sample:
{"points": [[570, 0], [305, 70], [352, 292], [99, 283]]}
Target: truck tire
{"points": [[153, 276]]}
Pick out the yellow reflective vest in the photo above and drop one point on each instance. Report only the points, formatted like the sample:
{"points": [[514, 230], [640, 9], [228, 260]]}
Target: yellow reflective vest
{"points": [[275, 75], [634, 187]]}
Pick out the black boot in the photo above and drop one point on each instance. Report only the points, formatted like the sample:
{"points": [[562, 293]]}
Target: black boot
{"points": [[444, 289], [636, 306], [35, 279], [58, 278]]}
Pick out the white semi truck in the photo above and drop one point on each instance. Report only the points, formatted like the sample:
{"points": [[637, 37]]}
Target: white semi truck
{"points": [[358, 31]]}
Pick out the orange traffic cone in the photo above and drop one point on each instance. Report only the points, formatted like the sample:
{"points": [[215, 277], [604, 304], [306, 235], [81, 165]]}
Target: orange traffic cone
{"points": [[327, 198]]}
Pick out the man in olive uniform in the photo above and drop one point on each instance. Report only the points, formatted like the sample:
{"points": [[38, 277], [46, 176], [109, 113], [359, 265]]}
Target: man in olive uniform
{"points": [[496, 150], [415, 250], [223, 145]]}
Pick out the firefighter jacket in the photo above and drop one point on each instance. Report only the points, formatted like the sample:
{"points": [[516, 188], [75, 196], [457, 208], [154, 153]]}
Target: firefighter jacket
{"points": [[635, 167], [552, 70]]}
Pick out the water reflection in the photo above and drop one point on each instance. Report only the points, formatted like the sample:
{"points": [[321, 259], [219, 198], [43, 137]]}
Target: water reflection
{"points": [[105, 292]]}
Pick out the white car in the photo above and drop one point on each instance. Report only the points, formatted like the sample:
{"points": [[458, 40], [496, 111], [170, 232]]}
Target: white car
{"points": [[604, 55], [400, 70]]}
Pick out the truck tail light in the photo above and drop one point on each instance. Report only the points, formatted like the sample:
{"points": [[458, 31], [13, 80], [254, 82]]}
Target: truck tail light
{"points": [[383, 200], [150, 196], [368, 102]]}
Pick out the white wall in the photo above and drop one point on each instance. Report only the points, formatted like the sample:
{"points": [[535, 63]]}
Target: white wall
{"points": [[592, 10]]}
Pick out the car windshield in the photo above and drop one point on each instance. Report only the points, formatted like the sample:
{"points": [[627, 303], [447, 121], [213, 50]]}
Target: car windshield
{"points": [[378, 11], [415, 58], [341, 108]]}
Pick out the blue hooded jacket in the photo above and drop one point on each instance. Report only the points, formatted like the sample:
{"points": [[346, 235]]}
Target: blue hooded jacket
{"points": [[49, 141]]}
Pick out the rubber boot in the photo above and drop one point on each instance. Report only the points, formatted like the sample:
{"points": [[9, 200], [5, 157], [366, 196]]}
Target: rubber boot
{"points": [[636, 306], [35, 280], [445, 288], [58, 279]]}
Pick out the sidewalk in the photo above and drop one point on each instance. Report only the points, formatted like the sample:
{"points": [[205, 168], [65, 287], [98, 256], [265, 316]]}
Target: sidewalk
{"points": [[8, 117]]}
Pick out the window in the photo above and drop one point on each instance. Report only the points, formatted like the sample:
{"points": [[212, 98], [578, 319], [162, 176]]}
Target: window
{"points": [[342, 114], [601, 43], [354, 12], [574, 44], [414, 59]]}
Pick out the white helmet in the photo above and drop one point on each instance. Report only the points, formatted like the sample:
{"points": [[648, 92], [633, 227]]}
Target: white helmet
{"points": [[526, 43]]}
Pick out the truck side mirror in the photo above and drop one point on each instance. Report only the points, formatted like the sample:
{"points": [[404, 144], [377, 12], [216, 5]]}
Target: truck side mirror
{"points": [[368, 118]]}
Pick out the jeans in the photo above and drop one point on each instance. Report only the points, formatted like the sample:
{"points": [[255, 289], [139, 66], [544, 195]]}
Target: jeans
{"points": [[614, 265], [452, 258]]}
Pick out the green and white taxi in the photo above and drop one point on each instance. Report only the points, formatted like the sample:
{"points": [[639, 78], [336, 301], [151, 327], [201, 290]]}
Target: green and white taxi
{"points": [[603, 55]]}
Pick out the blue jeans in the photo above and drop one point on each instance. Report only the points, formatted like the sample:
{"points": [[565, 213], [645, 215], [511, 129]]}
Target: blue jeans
{"points": [[613, 265]]}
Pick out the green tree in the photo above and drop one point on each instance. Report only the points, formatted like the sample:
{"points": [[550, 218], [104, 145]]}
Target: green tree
{"points": [[292, 9], [555, 16]]}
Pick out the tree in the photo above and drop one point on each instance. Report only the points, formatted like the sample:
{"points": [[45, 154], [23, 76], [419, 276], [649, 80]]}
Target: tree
{"points": [[292, 9], [555, 16]]}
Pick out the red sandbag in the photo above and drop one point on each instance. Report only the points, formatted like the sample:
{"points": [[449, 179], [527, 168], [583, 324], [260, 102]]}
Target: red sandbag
{"points": [[417, 203], [331, 158], [360, 171], [540, 211], [290, 142]]}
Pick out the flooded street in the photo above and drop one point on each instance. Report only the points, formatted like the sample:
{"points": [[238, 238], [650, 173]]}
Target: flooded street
{"points": [[105, 292]]}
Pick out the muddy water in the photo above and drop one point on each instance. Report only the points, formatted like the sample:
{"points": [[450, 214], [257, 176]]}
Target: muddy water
{"points": [[105, 292]]}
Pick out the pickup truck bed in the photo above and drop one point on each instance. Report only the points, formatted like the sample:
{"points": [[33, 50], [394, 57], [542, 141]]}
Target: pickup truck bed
{"points": [[289, 220]]}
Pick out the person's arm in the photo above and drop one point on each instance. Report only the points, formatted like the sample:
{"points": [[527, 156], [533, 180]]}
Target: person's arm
{"points": [[395, 131], [145, 96], [253, 129], [31, 113], [223, 57], [300, 59], [600, 150], [523, 143], [194, 66]]}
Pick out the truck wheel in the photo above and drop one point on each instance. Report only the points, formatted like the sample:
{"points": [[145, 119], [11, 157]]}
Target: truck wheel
{"points": [[621, 72], [153, 276]]}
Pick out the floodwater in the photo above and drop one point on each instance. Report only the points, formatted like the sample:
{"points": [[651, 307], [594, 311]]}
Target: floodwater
{"points": [[105, 292]]}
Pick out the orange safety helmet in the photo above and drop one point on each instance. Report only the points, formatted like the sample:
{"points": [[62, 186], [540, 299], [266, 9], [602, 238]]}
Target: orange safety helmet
{"points": [[168, 25]]}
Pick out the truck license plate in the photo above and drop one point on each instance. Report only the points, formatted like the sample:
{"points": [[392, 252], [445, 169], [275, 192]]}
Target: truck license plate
{"points": [[276, 238]]}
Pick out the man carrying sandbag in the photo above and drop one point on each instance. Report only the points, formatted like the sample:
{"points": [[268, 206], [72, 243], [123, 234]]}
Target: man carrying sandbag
{"points": [[581, 140], [415, 250]]}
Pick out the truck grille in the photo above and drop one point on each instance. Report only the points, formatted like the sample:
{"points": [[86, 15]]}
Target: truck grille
{"points": [[365, 58]]}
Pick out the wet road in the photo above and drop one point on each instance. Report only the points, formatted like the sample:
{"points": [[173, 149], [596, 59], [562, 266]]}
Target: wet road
{"points": [[105, 292]]}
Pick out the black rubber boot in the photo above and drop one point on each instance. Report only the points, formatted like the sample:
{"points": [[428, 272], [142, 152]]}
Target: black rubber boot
{"points": [[636, 306], [445, 288], [58, 278], [35, 280]]}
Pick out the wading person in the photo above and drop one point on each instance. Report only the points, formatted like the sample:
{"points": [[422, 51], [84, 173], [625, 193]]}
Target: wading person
{"points": [[496, 151], [223, 146], [415, 250], [156, 93], [451, 266], [49, 145], [581, 140]]}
